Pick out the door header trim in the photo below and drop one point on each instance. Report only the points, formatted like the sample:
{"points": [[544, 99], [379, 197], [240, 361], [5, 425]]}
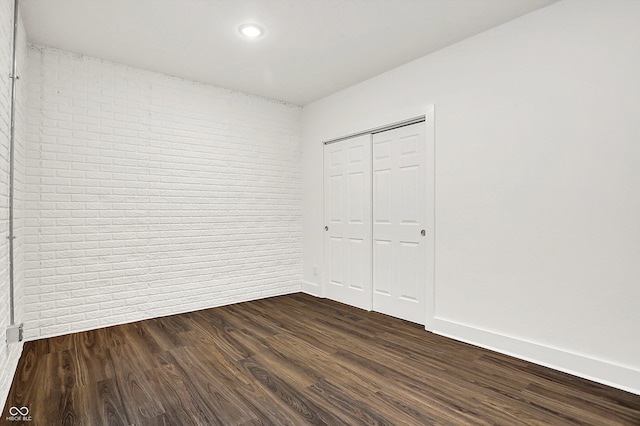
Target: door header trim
{"points": [[414, 120]]}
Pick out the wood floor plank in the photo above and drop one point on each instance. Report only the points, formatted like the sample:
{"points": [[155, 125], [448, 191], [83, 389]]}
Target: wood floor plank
{"points": [[29, 381], [131, 382], [359, 411], [308, 411], [225, 404], [110, 404], [294, 360], [407, 393], [182, 404]]}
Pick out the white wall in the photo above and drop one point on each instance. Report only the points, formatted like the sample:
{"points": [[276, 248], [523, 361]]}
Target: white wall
{"points": [[10, 353], [151, 195], [537, 183]]}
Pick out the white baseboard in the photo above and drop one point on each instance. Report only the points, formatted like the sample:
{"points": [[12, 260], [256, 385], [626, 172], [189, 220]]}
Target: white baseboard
{"points": [[600, 371], [12, 365], [311, 289]]}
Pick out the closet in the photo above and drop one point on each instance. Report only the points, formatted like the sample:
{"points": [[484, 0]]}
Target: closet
{"points": [[376, 212]]}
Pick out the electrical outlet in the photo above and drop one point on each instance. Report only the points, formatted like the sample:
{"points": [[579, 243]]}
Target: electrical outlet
{"points": [[14, 334]]}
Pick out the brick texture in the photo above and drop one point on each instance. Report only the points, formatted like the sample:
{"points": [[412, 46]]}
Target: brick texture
{"points": [[10, 353], [148, 195]]}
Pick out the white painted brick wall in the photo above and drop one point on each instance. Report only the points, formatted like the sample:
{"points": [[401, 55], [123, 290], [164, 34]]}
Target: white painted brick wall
{"points": [[9, 354], [150, 195]]}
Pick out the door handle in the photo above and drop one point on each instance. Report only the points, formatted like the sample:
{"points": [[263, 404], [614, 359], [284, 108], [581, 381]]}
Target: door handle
{"points": [[326, 228], [423, 232]]}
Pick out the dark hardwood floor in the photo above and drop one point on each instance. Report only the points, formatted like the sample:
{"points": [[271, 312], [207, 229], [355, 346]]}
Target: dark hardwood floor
{"points": [[295, 360]]}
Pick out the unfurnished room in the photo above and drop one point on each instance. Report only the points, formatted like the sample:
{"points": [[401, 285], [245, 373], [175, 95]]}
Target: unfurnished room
{"points": [[330, 212]]}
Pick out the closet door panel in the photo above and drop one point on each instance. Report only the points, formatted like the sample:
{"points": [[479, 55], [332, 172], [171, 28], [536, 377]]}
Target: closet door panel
{"points": [[399, 216], [347, 213]]}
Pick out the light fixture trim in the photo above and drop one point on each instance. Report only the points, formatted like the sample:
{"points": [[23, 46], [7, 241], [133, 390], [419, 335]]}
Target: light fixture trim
{"points": [[251, 30]]}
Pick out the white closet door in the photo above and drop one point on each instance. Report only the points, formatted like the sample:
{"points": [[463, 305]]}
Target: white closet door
{"points": [[347, 213], [399, 216]]}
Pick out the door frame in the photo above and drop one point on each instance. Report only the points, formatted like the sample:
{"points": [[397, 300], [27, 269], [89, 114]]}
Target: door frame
{"points": [[394, 120]]}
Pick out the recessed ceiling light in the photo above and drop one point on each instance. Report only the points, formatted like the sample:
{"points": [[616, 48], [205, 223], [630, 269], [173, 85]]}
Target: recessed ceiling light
{"points": [[251, 30]]}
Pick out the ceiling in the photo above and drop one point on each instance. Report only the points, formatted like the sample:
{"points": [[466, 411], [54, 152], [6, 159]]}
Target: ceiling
{"points": [[311, 49]]}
